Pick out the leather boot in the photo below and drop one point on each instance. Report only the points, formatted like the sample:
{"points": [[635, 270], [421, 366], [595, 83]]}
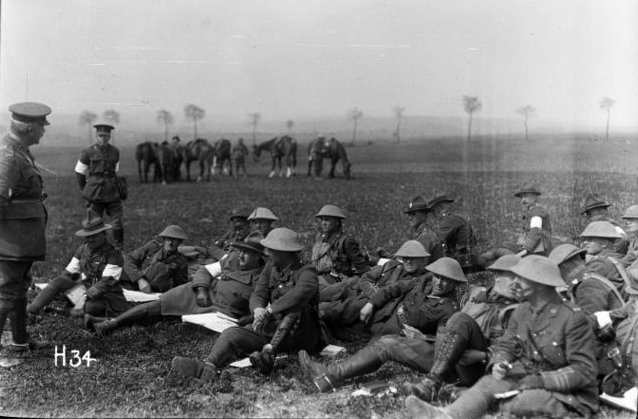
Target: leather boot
{"points": [[43, 299], [448, 352], [203, 371], [90, 321], [264, 360], [325, 378], [18, 319], [146, 311], [118, 237], [421, 409]]}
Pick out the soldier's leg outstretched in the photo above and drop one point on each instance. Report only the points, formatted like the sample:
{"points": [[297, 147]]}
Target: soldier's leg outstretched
{"points": [[59, 285], [139, 313], [264, 360]]}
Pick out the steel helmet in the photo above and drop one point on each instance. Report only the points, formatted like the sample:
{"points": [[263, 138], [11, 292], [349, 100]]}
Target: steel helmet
{"points": [[330, 211], [448, 268], [601, 229], [565, 252], [631, 212], [539, 269], [261, 213], [282, 239], [412, 249], [173, 232], [504, 263]]}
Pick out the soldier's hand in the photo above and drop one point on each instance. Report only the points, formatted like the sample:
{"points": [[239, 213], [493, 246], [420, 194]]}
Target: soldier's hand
{"points": [[366, 312], [531, 381], [260, 315], [202, 299], [499, 370], [92, 292], [144, 286]]}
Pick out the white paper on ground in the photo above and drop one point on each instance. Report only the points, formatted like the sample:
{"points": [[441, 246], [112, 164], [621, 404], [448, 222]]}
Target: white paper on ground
{"points": [[628, 401], [216, 322], [140, 297], [242, 363], [332, 350]]}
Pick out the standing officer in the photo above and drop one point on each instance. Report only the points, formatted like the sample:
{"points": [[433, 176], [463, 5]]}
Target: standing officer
{"points": [[96, 171], [22, 216], [536, 234]]}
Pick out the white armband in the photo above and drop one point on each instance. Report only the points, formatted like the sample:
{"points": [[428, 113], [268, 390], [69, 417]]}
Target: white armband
{"points": [[74, 266], [81, 168], [620, 231], [536, 222], [112, 270], [215, 269], [117, 167], [603, 318]]}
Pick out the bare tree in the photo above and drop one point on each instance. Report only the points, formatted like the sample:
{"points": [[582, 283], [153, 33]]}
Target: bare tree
{"points": [[289, 125], [398, 113], [254, 120], [607, 103], [195, 113], [165, 118], [87, 118], [111, 116], [471, 104], [526, 111], [355, 114]]}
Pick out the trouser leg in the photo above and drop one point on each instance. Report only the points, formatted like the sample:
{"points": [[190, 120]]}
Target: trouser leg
{"points": [[265, 360], [534, 403], [475, 402], [45, 296], [14, 282], [235, 342], [18, 319]]}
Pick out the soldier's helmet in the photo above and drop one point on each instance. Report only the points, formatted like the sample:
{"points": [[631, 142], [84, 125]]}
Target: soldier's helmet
{"points": [[527, 189], [92, 224], [261, 213], [601, 229], [448, 268], [330, 211], [282, 239], [594, 201], [251, 243], [539, 269], [412, 249], [504, 263], [173, 232], [631, 213], [564, 252]]}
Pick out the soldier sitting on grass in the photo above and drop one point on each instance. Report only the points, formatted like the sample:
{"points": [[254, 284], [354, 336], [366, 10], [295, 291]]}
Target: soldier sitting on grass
{"points": [[97, 266]]}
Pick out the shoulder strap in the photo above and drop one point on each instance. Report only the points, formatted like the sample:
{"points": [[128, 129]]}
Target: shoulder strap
{"points": [[607, 283], [621, 270]]}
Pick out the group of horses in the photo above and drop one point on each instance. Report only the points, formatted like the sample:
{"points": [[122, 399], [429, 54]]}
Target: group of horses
{"points": [[167, 158]]}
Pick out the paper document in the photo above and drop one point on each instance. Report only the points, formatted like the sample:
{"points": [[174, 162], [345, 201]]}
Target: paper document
{"points": [[242, 363], [140, 297], [217, 322], [77, 294], [332, 350], [628, 401]]}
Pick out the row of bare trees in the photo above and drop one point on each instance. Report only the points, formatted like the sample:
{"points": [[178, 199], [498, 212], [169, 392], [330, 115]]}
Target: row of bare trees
{"points": [[471, 105]]}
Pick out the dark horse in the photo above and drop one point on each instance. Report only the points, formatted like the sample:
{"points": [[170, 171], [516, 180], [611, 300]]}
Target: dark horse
{"points": [[146, 156], [283, 147], [221, 156], [333, 150], [202, 152]]}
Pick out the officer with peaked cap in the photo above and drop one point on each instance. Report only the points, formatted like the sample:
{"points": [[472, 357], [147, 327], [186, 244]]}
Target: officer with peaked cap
{"points": [[367, 297], [284, 307], [223, 287], [239, 230], [97, 266], [96, 172], [596, 208], [428, 304], [22, 216], [631, 240], [462, 349], [262, 219], [546, 354], [417, 212], [335, 254], [536, 229], [595, 295], [157, 266], [454, 232]]}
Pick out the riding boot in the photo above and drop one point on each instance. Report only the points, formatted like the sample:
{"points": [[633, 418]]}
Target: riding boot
{"points": [[203, 371], [18, 318], [326, 378], [146, 311], [43, 299], [448, 352], [5, 308], [264, 360], [118, 237]]}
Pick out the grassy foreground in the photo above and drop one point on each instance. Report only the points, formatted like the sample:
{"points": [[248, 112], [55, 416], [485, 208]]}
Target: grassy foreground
{"points": [[129, 377]]}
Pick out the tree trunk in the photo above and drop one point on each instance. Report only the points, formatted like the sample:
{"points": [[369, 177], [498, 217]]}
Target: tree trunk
{"points": [[398, 131], [165, 131], [607, 132], [469, 129], [195, 129], [354, 132], [254, 129], [526, 136], [89, 126]]}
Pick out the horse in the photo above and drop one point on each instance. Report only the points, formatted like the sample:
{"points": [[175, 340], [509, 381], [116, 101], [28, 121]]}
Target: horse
{"points": [[333, 150], [284, 147], [146, 156], [201, 151], [221, 156]]}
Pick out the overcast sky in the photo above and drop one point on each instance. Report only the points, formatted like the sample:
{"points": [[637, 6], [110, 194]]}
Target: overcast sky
{"points": [[289, 59]]}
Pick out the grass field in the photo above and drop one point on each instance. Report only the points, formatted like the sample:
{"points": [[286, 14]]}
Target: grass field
{"points": [[128, 379]]}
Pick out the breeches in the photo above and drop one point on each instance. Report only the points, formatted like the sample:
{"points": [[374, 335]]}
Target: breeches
{"points": [[111, 212], [14, 280], [412, 353]]}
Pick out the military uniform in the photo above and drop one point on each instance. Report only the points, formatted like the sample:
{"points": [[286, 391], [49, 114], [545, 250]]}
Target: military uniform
{"points": [[99, 268], [293, 290], [22, 230], [99, 165], [535, 239], [336, 256], [455, 234], [238, 154], [162, 271], [429, 240], [605, 264]]}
